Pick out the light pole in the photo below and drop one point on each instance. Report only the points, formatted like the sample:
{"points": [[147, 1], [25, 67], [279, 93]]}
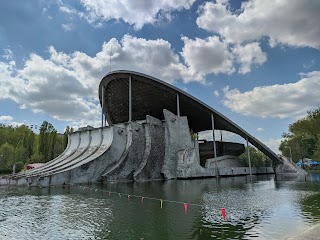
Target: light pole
{"points": [[290, 153]]}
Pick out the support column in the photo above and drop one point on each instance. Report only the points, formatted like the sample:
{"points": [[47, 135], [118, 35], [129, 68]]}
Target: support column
{"points": [[178, 105], [102, 105], [214, 147], [130, 100], [248, 152]]}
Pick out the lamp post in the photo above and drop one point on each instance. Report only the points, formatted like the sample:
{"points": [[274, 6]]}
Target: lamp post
{"points": [[290, 153]]}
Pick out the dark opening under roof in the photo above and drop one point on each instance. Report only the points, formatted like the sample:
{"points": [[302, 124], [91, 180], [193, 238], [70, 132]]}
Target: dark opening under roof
{"points": [[150, 96]]}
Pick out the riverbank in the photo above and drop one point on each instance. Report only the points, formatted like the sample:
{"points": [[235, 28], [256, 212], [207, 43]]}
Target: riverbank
{"points": [[311, 233]]}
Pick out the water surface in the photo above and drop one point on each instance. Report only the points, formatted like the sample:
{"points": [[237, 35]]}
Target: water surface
{"points": [[261, 207]]}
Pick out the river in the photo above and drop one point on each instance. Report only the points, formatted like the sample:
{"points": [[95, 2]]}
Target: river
{"points": [[262, 207]]}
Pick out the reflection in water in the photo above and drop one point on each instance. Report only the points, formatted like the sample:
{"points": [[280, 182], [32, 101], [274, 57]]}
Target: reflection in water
{"points": [[258, 206]]}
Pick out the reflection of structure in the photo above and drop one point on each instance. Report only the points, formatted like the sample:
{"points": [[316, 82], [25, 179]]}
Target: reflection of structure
{"points": [[151, 135]]}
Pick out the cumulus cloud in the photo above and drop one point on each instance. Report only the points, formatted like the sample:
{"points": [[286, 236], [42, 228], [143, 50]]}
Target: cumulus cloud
{"points": [[281, 101], [260, 129], [204, 56], [136, 13], [216, 93], [6, 118], [273, 144], [248, 55], [65, 85], [290, 22]]}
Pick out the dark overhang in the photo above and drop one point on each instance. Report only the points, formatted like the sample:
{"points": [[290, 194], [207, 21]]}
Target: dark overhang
{"points": [[150, 96]]}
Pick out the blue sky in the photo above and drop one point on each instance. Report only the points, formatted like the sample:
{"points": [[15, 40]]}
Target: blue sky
{"points": [[257, 62]]}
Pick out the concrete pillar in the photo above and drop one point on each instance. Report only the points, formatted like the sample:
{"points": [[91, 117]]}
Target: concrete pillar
{"points": [[214, 147], [249, 157], [178, 105], [102, 105], [130, 100]]}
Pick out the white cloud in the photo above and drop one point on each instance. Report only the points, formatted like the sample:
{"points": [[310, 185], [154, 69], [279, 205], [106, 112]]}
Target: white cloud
{"points": [[273, 144], [260, 129], [281, 101], [67, 27], [216, 93], [291, 22], [16, 124], [8, 55], [6, 118], [65, 85], [136, 13], [249, 55], [205, 56]]}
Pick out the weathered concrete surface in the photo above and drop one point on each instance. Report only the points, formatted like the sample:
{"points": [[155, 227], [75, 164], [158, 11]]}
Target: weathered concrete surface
{"points": [[180, 159], [79, 147], [140, 151], [153, 156], [286, 166], [93, 168], [85, 141], [237, 171], [224, 161], [75, 141], [100, 141], [312, 233], [84, 170], [124, 169]]}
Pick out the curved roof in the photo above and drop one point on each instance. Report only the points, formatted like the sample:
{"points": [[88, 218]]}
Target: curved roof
{"points": [[151, 95]]}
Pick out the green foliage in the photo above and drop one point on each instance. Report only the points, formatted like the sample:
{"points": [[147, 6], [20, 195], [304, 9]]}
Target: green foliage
{"points": [[19, 166], [303, 138], [257, 158], [65, 135], [20, 145]]}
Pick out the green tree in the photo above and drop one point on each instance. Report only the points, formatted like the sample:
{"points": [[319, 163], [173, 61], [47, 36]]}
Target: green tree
{"points": [[303, 137], [257, 158], [20, 145], [47, 140]]}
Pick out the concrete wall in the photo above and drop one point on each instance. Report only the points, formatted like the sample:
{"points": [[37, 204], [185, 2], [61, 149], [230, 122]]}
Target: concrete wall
{"points": [[180, 159], [124, 169], [236, 171], [92, 171], [140, 151], [153, 156], [92, 168], [286, 166], [224, 161]]}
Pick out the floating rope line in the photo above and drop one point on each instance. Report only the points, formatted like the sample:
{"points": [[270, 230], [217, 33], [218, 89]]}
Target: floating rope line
{"points": [[185, 204]]}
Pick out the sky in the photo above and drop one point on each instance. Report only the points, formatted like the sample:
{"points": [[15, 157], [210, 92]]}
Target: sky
{"points": [[256, 61]]}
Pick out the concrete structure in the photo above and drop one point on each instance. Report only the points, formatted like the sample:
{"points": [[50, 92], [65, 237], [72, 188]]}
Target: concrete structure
{"points": [[151, 136]]}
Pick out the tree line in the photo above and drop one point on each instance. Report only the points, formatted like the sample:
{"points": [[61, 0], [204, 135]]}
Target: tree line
{"points": [[303, 138], [20, 145]]}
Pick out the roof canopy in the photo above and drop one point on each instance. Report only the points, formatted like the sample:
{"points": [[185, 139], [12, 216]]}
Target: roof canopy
{"points": [[150, 96]]}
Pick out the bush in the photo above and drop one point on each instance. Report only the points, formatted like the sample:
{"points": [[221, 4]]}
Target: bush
{"points": [[5, 171], [19, 166]]}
